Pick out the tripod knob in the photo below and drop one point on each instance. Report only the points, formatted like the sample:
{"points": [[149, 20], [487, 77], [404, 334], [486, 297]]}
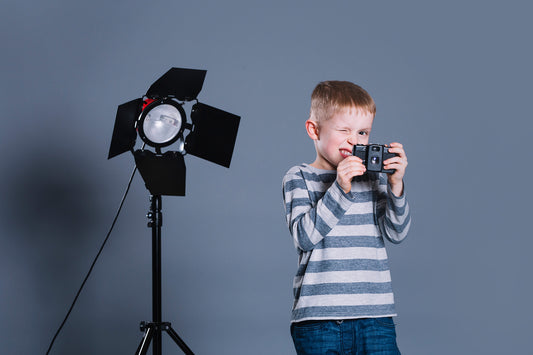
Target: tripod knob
{"points": [[150, 216]]}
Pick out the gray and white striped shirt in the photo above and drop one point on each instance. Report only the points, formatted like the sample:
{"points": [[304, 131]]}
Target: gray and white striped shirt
{"points": [[343, 268]]}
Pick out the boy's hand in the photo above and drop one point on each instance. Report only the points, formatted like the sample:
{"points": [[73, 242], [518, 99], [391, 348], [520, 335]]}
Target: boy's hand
{"points": [[347, 169], [399, 163]]}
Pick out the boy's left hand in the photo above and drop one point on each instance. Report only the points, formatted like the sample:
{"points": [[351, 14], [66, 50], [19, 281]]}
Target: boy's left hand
{"points": [[399, 164]]}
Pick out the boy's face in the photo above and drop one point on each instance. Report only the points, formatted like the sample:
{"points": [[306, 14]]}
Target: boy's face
{"points": [[334, 138]]}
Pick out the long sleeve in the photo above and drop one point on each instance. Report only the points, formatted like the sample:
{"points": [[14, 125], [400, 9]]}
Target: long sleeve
{"points": [[394, 218], [311, 213]]}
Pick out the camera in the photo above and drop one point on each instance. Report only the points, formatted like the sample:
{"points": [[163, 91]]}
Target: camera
{"points": [[373, 156]]}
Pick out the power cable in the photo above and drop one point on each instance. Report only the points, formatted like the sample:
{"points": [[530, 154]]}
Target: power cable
{"points": [[94, 261]]}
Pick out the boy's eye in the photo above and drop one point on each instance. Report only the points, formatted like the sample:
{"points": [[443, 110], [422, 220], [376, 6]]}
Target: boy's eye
{"points": [[363, 133]]}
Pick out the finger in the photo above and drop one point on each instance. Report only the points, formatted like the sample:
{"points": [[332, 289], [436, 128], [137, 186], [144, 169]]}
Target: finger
{"points": [[349, 164], [349, 174], [399, 152], [351, 158], [396, 145], [395, 165], [396, 148], [397, 159], [350, 171]]}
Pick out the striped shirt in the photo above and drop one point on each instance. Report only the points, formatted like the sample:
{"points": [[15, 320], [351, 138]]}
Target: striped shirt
{"points": [[343, 268]]}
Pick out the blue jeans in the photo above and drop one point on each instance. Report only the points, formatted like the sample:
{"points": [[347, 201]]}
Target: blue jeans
{"points": [[375, 336]]}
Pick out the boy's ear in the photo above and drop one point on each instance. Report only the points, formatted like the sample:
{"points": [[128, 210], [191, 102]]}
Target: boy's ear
{"points": [[312, 129]]}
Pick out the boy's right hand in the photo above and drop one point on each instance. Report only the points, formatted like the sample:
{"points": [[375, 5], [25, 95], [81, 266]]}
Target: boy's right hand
{"points": [[347, 169]]}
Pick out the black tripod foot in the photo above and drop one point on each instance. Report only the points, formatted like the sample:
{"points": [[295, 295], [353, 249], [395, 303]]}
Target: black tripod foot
{"points": [[150, 329]]}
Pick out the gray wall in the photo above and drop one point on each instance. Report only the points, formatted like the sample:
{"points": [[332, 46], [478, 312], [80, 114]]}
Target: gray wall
{"points": [[451, 80]]}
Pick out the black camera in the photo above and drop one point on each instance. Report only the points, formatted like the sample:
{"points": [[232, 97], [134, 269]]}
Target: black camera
{"points": [[373, 156]]}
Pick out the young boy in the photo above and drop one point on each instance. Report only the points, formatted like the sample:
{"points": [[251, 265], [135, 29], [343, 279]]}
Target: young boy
{"points": [[338, 215]]}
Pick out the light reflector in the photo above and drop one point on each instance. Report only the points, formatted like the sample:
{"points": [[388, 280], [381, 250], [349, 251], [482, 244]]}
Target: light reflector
{"points": [[163, 174], [162, 123], [124, 134], [183, 84], [214, 134]]}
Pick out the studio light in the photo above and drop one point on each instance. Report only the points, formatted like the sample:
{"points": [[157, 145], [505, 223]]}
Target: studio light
{"points": [[159, 119]]}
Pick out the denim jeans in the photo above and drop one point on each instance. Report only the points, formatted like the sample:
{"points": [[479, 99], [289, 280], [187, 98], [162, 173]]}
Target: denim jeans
{"points": [[375, 336]]}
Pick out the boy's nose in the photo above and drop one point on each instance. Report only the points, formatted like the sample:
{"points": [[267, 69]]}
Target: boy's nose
{"points": [[352, 139]]}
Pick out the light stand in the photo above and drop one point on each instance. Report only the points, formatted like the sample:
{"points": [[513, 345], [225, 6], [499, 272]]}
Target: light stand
{"points": [[160, 120], [153, 330]]}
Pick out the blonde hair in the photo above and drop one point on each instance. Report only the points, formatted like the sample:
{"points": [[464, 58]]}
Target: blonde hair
{"points": [[331, 97]]}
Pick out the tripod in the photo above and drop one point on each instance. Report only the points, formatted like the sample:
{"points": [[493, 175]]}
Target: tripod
{"points": [[153, 330]]}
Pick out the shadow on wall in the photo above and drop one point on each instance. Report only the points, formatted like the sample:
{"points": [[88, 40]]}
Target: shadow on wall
{"points": [[51, 197], [51, 209]]}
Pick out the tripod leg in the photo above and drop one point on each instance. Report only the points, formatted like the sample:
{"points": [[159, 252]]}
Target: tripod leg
{"points": [[145, 342], [178, 340]]}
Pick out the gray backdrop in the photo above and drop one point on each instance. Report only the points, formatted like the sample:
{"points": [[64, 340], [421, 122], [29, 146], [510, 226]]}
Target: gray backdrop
{"points": [[452, 81]]}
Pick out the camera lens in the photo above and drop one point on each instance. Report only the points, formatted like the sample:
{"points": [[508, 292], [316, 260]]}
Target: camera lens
{"points": [[375, 160]]}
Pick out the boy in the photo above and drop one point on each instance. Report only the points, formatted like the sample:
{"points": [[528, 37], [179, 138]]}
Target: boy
{"points": [[338, 214]]}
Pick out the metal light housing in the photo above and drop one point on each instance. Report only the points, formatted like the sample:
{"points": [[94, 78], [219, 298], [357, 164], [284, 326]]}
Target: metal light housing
{"points": [[159, 119]]}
